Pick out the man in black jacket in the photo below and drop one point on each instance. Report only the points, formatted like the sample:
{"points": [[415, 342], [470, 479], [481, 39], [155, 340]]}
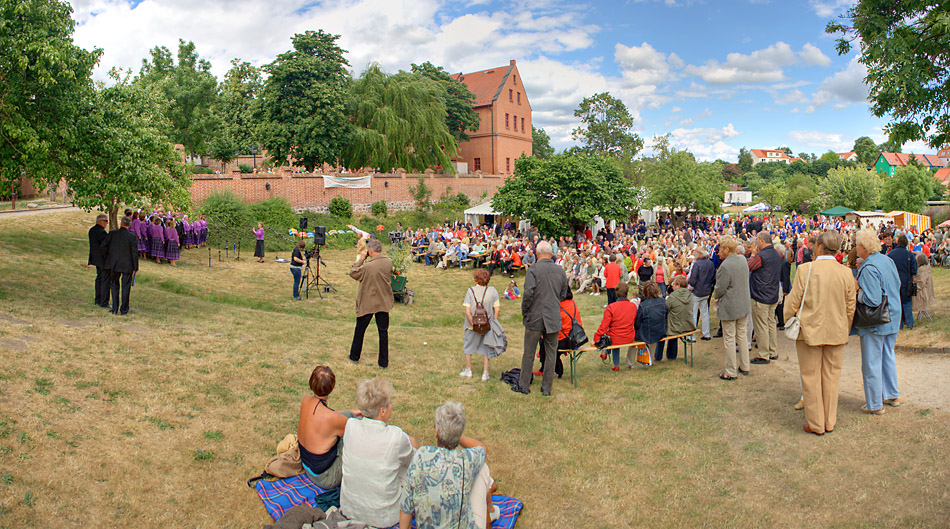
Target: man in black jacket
{"points": [[121, 246], [906, 263], [765, 269], [97, 258], [786, 280]]}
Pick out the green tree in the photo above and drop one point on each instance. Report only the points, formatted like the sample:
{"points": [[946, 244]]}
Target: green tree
{"points": [[189, 88], [126, 154], [774, 195], [753, 181], [459, 101], [302, 104], [802, 193], [807, 156], [676, 181], [606, 127], [45, 81], [541, 143], [904, 47], [397, 121], [421, 193], [559, 195], [234, 111], [830, 157], [908, 189], [745, 160], [787, 151], [890, 146], [854, 188], [866, 150]]}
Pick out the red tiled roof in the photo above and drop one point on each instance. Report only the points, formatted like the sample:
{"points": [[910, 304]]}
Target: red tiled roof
{"points": [[761, 153], [944, 153], [943, 175], [845, 154], [486, 84], [902, 159]]}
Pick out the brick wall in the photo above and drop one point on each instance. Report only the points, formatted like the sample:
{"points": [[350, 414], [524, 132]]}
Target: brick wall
{"points": [[306, 191]]}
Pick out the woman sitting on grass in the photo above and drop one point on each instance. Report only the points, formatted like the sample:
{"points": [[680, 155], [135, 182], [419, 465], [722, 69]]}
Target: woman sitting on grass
{"points": [[320, 431]]}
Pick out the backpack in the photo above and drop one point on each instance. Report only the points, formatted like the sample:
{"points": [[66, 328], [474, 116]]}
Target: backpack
{"points": [[480, 315]]}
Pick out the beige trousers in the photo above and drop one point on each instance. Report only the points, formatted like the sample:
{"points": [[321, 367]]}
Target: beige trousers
{"points": [[766, 334], [731, 331], [820, 367]]}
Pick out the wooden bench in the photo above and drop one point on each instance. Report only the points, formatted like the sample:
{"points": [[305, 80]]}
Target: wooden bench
{"points": [[575, 354], [464, 263]]}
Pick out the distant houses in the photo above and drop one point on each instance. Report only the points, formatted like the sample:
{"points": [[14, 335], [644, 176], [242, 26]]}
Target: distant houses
{"points": [[888, 162], [770, 155]]}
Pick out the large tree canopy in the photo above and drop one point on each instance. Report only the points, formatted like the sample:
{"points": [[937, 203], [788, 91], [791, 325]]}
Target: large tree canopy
{"points": [[45, 80], [397, 121], [606, 127], [906, 49], [866, 150], [234, 111], [561, 194], [128, 157], [458, 99], [541, 143], [302, 105], [676, 181], [189, 88], [855, 188], [908, 189]]}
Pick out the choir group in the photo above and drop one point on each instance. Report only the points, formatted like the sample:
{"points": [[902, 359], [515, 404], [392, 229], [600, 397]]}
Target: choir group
{"points": [[162, 235]]}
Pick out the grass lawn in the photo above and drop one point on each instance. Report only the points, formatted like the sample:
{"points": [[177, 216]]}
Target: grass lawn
{"points": [[157, 419]]}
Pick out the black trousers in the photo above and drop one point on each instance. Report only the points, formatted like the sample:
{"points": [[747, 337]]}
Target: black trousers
{"points": [[611, 295], [558, 365], [672, 348], [103, 286], [780, 313], [382, 326], [126, 278]]}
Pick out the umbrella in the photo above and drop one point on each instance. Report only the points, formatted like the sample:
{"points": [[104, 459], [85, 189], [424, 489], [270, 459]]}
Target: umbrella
{"points": [[944, 224]]}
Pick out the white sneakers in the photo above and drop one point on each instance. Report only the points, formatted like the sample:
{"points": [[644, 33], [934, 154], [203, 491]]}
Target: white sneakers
{"points": [[485, 376], [466, 373]]}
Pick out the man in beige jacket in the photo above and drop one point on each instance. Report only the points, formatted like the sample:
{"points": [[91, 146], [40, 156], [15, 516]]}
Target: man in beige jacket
{"points": [[826, 313], [374, 297]]}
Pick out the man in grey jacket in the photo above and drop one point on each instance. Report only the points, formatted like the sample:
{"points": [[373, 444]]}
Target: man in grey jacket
{"points": [[545, 286], [732, 296]]}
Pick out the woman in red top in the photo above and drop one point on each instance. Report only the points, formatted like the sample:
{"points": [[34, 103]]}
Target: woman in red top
{"points": [[618, 323], [569, 311]]}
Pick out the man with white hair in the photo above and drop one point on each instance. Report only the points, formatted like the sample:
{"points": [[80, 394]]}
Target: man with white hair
{"points": [[702, 277], [545, 286]]}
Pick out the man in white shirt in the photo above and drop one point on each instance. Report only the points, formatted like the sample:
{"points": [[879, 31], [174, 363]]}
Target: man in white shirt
{"points": [[375, 458]]}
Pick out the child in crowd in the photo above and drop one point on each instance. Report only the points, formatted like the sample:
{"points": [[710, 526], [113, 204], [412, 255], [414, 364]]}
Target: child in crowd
{"points": [[512, 292]]}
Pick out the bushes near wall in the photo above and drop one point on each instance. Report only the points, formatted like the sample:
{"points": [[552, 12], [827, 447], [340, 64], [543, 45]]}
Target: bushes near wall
{"points": [[379, 209], [232, 221], [341, 208]]}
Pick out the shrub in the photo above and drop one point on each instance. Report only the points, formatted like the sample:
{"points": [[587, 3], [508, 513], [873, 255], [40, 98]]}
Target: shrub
{"points": [[244, 168], [379, 209], [421, 193], [463, 200], [277, 215], [197, 169], [341, 208]]}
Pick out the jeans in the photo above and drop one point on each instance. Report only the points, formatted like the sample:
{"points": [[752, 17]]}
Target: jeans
{"points": [[907, 313], [662, 289], [701, 308], [879, 369], [295, 270], [429, 257], [671, 350], [382, 326], [126, 278]]}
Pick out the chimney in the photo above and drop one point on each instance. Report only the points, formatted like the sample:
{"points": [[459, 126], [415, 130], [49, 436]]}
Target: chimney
{"points": [[512, 62]]}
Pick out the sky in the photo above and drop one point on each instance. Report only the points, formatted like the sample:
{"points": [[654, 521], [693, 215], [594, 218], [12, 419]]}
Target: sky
{"points": [[715, 74]]}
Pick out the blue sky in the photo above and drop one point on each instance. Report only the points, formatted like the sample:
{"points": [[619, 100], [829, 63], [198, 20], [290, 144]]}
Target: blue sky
{"points": [[716, 74]]}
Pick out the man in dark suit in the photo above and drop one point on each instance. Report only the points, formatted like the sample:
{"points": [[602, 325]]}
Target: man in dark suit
{"points": [[122, 248], [97, 258], [545, 286], [906, 264], [785, 278]]}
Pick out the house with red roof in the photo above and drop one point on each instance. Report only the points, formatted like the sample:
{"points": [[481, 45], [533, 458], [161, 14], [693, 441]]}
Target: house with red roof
{"points": [[943, 176], [888, 162], [848, 156], [504, 133], [770, 155]]}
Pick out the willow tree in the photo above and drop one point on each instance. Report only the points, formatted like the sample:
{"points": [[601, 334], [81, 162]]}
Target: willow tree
{"points": [[397, 121]]}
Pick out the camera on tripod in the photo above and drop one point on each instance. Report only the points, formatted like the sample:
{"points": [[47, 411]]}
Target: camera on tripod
{"points": [[396, 237]]}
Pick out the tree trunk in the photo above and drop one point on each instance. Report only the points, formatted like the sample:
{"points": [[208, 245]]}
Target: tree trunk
{"points": [[113, 216]]}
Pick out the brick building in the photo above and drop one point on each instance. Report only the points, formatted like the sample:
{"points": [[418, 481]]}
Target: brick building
{"points": [[504, 133]]}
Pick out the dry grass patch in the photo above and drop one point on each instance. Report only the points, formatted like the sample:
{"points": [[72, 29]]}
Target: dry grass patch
{"points": [[156, 419]]}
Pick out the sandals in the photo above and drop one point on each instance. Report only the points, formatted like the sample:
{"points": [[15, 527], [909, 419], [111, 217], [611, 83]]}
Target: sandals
{"points": [[724, 376]]}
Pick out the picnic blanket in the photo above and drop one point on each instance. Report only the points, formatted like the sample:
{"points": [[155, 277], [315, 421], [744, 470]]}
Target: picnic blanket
{"points": [[281, 495]]}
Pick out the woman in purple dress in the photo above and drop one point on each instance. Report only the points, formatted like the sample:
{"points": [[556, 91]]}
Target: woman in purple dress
{"points": [[138, 228], [156, 235], [189, 239], [172, 248], [259, 248]]}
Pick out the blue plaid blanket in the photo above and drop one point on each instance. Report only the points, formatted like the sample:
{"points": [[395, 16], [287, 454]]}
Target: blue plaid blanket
{"points": [[284, 494]]}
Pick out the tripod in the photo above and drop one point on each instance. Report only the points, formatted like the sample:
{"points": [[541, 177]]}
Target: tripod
{"points": [[312, 279]]}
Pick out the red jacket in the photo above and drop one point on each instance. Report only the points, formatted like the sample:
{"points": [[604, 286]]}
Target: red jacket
{"points": [[619, 319], [612, 274], [570, 309]]}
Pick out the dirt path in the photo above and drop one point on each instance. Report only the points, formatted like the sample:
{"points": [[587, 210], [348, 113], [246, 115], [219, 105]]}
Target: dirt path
{"points": [[21, 212], [921, 378]]}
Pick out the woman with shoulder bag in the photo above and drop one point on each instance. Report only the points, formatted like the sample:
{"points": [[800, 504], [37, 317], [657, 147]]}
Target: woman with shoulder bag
{"points": [[481, 295], [878, 282]]}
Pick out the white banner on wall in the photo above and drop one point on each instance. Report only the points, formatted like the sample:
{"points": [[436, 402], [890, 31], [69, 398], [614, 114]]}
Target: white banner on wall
{"points": [[359, 182]]}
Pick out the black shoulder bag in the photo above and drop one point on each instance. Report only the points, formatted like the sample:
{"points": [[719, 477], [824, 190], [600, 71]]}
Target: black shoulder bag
{"points": [[867, 316], [911, 285], [577, 337]]}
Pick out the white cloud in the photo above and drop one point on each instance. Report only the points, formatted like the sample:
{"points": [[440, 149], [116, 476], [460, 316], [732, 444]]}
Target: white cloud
{"points": [[846, 86], [830, 8], [761, 66], [644, 65], [676, 109], [821, 141], [813, 56], [706, 143]]}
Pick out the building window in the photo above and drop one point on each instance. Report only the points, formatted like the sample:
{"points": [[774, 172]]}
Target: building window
{"points": [[478, 164], [515, 77], [516, 123], [519, 97], [510, 95], [506, 122], [507, 165], [522, 124]]}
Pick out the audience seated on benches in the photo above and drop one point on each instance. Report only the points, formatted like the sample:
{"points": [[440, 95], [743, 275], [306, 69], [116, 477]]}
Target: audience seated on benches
{"points": [[651, 319], [619, 323]]}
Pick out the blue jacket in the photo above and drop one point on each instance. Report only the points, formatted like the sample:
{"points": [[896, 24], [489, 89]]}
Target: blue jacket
{"points": [[878, 276], [651, 320], [906, 263], [702, 277]]}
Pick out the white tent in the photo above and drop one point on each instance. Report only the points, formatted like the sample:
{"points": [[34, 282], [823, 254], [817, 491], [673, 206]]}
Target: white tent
{"points": [[476, 214], [758, 207]]}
